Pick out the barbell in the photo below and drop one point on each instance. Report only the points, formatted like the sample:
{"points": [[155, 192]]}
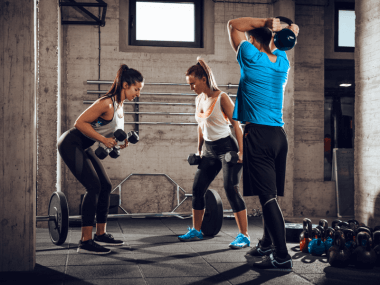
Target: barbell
{"points": [[58, 216]]}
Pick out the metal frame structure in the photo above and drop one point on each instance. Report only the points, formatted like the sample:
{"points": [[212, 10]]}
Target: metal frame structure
{"points": [[80, 5], [172, 212], [136, 103]]}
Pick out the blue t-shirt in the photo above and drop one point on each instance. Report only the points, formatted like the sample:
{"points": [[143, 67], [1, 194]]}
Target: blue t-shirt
{"points": [[262, 83]]}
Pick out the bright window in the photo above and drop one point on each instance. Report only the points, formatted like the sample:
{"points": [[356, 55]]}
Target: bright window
{"points": [[344, 27], [166, 23]]}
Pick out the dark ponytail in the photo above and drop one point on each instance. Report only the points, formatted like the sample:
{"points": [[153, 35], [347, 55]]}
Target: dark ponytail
{"points": [[124, 74]]}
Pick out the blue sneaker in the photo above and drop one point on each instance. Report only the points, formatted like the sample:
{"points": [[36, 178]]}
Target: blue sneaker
{"points": [[240, 241], [191, 235]]}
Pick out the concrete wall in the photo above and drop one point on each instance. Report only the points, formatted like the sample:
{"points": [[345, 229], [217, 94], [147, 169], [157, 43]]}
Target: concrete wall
{"points": [[312, 196], [367, 82], [17, 136], [162, 149]]}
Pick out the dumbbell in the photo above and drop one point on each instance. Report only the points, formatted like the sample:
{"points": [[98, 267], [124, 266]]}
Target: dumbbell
{"points": [[132, 137], [231, 157], [194, 159], [102, 151]]}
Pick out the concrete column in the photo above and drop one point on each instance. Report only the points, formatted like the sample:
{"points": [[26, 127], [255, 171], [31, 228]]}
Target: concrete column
{"points": [[312, 196], [17, 136], [48, 102], [367, 117], [286, 8]]}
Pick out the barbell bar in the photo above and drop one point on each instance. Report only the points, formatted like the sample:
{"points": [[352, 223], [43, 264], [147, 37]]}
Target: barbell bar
{"points": [[160, 113], [153, 93], [159, 123], [229, 85], [146, 103]]}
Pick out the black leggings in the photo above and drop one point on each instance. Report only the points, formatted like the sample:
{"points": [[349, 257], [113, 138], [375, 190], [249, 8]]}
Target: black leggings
{"points": [[274, 225], [212, 162], [75, 151]]}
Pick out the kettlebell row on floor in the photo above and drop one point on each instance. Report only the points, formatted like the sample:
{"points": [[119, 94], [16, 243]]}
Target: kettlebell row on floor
{"points": [[344, 243]]}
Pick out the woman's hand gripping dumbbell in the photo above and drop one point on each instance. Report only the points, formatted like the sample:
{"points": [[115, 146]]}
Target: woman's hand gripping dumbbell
{"points": [[195, 158], [109, 147], [132, 137], [233, 157]]}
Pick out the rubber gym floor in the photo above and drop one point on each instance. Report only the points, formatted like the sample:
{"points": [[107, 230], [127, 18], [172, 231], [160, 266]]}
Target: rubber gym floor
{"points": [[152, 254]]}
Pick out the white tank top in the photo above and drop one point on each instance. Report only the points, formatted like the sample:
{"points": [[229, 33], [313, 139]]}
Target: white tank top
{"points": [[213, 122]]}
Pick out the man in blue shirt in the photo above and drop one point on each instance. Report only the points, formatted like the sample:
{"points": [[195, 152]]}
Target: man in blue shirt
{"points": [[259, 102]]}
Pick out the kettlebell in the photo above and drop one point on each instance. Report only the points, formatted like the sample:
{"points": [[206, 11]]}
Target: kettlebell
{"points": [[335, 223], [364, 256], [307, 234], [329, 238], [338, 255], [316, 246], [285, 39], [349, 236], [362, 229], [324, 225], [353, 224], [376, 246], [344, 225]]}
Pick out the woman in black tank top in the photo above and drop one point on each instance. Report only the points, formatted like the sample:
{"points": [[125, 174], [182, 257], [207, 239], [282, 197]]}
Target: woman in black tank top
{"points": [[74, 148]]}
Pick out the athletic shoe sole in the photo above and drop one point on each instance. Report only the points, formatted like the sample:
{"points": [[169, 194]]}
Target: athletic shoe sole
{"points": [[261, 252], [238, 247], [190, 239], [279, 269], [84, 251], [108, 244]]}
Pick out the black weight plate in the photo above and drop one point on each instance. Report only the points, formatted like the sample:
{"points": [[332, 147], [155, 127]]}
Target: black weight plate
{"points": [[213, 218], [293, 231], [59, 226]]}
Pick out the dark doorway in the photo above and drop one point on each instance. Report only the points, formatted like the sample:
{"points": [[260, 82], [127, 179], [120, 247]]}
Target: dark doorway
{"points": [[339, 108]]}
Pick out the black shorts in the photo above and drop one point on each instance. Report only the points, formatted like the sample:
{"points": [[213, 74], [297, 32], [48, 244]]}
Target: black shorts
{"points": [[264, 160]]}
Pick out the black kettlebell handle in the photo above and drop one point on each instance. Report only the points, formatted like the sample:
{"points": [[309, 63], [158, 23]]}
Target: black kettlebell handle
{"points": [[285, 20], [339, 237], [330, 232], [348, 234], [316, 232], [306, 224], [363, 235], [324, 224]]}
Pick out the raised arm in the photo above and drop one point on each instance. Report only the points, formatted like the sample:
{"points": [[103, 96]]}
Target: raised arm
{"points": [[237, 28]]}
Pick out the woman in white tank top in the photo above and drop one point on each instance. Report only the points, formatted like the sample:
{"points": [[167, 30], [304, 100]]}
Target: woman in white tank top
{"points": [[214, 114]]}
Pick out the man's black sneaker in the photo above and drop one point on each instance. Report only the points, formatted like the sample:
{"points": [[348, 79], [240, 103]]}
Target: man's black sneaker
{"points": [[259, 250], [91, 247], [274, 263], [107, 240]]}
